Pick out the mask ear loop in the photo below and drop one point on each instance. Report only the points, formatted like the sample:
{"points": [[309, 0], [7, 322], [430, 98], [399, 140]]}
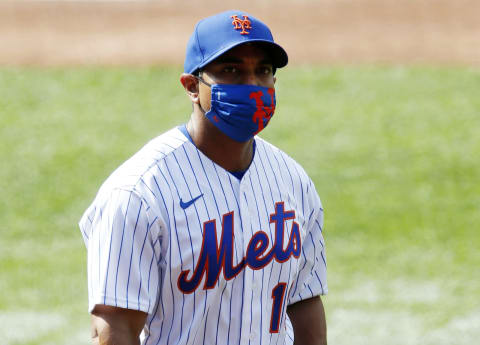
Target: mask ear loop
{"points": [[202, 80], [199, 78]]}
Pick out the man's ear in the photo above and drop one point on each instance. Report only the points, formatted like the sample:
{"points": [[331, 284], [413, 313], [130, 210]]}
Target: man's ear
{"points": [[190, 84]]}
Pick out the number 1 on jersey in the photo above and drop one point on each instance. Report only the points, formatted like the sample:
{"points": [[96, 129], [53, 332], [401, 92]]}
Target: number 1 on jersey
{"points": [[277, 295]]}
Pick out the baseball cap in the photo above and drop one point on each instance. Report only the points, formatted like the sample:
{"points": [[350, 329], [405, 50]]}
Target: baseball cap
{"points": [[215, 35]]}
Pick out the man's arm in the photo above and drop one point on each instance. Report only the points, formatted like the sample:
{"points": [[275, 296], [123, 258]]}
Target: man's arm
{"points": [[308, 321], [116, 326]]}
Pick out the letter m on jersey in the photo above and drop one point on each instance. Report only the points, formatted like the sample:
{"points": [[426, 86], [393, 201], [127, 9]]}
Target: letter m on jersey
{"points": [[213, 258]]}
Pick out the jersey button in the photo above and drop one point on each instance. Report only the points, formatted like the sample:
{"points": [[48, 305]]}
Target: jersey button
{"points": [[253, 335]]}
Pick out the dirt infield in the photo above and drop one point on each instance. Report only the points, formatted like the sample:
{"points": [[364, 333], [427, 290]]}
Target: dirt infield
{"points": [[322, 31]]}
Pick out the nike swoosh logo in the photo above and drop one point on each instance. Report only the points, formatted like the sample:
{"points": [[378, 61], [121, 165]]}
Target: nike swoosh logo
{"points": [[185, 205]]}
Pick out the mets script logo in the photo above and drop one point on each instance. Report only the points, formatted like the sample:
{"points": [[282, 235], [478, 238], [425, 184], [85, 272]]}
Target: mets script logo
{"points": [[217, 257], [240, 24], [263, 113]]}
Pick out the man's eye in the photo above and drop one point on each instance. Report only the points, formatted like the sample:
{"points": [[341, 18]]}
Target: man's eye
{"points": [[266, 70], [230, 69]]}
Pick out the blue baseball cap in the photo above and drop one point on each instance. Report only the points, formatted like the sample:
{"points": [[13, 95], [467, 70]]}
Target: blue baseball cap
{"points": [[215, 35]]}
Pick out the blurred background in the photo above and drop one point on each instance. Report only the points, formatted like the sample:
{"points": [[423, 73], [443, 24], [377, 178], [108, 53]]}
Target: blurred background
{"points": [[313, 31], [380, 103]]}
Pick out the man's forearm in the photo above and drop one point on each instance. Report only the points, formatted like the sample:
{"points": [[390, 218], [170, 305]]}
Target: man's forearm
{"points": [[114, 337], [116, 326], [308, 321]]}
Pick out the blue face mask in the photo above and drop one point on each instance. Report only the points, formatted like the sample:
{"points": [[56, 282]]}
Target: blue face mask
{"points": [[240, 111]]}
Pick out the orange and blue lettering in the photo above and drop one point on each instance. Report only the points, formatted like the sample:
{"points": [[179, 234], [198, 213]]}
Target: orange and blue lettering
{"points": [[217, 257]]}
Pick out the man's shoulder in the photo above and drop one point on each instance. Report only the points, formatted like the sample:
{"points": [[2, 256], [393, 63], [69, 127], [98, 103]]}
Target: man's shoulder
{"points": [[129, 175], [270, 152]]}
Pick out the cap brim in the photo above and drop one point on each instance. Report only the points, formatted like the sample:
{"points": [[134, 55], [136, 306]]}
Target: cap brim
{"points": [[278, 54]]}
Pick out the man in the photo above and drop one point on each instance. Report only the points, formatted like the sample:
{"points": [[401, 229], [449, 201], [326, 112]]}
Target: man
{"points": [[210, 235]]}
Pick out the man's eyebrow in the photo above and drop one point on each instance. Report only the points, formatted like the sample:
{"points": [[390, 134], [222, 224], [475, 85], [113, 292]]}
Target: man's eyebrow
{"points": [[266, 61], [236, 60], [228, 59]]}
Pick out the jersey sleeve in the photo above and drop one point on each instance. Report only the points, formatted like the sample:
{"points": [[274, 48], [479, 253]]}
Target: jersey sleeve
{"points": [[123, 251], [312, 275]]}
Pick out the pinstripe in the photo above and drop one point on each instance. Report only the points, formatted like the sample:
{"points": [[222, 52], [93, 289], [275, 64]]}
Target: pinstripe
{"points": [[219, 313], [323, 259], [199, 328], [100, 257], [149, 273], [140, 265], [157, 302], [171, 287], [251, 304], [310, 216], [319, 280], [288, 170], [290, 337], [205, 327], [314, 254], [84, 231], [309, 289], [131, 253], [301, 188], [121, 244], [148, 187], [318, 224]]}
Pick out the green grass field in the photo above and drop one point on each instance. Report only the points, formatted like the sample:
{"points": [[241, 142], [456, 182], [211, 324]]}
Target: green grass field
{"points": [[394, 153]]}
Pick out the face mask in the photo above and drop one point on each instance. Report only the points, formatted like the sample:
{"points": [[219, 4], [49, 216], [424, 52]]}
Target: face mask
{"points": [[240, 111]]}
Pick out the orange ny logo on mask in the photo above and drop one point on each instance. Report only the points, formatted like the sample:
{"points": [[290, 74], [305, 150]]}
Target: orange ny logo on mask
{"points": [[239, 24], [263, 112]]}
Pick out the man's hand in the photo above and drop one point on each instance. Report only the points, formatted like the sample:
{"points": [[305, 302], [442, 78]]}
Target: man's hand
{"points": [[116, 326], [308, 321]]}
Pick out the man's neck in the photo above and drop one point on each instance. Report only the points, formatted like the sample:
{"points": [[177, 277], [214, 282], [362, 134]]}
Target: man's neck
{"points": [[224, 151]]}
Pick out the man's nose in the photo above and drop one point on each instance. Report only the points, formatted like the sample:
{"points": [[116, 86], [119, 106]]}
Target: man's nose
{"points": [[251, 78]]}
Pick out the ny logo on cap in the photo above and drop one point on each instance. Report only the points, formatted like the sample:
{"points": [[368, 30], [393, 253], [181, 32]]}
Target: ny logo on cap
{"points": [[241, 24]]}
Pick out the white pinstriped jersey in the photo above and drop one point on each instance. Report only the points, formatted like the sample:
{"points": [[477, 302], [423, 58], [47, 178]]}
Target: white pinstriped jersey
{"points": [[211, 258]]}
